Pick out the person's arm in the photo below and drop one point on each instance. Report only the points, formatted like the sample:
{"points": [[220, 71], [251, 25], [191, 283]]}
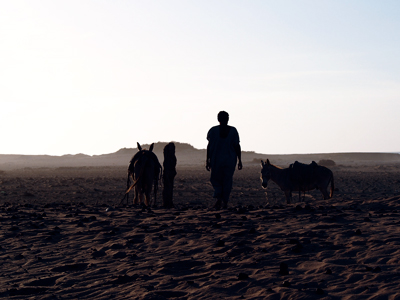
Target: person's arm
{"points": [[238, 151]]}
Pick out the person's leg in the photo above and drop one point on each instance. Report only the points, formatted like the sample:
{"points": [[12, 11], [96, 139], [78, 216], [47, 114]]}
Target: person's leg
{"points": [[216, 180], [227, 185]]}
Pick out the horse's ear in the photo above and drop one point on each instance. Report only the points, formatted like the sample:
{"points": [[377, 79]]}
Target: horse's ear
{"points": [[262, 163], [151, 147], [139, 147], [268, 163]]}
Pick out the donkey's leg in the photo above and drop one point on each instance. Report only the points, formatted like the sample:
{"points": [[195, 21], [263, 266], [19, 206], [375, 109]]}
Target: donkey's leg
{"points": [[325, 193], [288, 195], [155, 193], [147, 197], [128, 184], [136, 199], [141, 198]]}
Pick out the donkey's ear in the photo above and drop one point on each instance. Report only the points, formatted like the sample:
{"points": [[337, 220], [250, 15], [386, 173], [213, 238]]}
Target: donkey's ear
{"points": [[262, 163], [139, 147], [151, 147], [268, 163]]}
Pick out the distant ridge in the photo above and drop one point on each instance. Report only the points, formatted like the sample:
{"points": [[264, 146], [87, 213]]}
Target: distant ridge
{"points": [[186, 155], [160, 146]]}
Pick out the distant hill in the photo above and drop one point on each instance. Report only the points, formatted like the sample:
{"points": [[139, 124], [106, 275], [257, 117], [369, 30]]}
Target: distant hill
{"points": [[186, 155]]}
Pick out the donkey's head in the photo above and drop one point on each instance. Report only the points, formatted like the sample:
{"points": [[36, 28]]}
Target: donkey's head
{"points": [[265, 173], [140, 147]]}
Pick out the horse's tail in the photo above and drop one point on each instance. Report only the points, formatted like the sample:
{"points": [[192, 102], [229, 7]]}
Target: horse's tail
{"points": [[332, 186]]}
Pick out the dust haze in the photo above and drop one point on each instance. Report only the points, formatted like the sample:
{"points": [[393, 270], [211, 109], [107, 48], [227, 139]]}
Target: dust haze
{"points": [[187, 156]]}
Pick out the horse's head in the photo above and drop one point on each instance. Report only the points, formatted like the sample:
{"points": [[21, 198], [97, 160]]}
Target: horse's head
{"points": [[265, 173]]}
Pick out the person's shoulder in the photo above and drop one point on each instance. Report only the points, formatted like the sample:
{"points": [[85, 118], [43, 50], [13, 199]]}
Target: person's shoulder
{"points": [[233, 128], [213, 129], [235, 133]]}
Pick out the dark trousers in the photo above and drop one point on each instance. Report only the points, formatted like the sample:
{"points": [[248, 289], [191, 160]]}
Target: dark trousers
{"points": [[221, 180]]}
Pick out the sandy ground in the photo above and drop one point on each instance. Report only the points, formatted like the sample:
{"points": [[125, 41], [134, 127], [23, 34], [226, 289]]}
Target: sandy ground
{"points": [[64, 236]]}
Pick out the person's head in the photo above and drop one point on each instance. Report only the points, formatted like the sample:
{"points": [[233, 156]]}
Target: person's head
{"points": [[223, 117]]}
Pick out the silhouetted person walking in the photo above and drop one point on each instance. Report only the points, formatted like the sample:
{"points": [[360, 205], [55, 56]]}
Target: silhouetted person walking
{"points": [[223, 152]]}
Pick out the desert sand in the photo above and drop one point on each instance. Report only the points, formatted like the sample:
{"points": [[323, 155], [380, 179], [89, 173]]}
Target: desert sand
{"points": [[64, 236]]}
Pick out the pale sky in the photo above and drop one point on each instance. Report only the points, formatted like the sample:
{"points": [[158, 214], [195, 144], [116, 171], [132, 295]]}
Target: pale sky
{"points": [[309, 76]]}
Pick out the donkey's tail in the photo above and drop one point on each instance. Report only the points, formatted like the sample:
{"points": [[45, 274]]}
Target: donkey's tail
{"points": [[332, 187], [132, 186], [143, 167]]}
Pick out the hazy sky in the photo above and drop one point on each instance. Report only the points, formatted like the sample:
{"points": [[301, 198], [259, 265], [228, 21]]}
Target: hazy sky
{"points": [[92, 77]]}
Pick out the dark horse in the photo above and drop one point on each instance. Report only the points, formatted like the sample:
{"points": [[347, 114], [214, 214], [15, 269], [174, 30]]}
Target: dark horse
{"points": [[298, 177], [145, 170]]}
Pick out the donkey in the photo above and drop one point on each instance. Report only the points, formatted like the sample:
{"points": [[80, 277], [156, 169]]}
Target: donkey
{"points": [[298, 177], [145, 171]]}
